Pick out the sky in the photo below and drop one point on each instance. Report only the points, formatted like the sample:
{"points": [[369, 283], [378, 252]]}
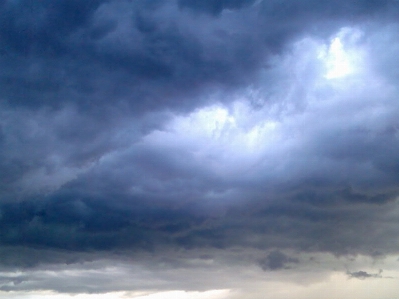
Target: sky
{"points": [[213, 149]]}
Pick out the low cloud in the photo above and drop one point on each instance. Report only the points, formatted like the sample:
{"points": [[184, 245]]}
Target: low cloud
{"points": [[276, 260], [364, 274]]}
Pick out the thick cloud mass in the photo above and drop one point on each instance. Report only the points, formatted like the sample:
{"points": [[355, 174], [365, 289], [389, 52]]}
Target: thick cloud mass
{"points": [[186, 135]]}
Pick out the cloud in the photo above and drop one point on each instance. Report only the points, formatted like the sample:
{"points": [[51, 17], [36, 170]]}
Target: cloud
{"points": [[149, 52], [277, 260], [195, 135], [364, 275], [215, 7], [194, 179]]}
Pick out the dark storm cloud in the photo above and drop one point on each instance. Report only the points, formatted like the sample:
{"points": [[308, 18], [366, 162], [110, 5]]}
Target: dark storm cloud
{"points": [[215, 7], [81, 223], [150, 55], [101, 52], [91, 164]]}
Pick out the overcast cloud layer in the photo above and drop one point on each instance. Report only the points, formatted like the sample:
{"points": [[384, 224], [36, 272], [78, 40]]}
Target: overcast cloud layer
{"points": [[199, 146]]}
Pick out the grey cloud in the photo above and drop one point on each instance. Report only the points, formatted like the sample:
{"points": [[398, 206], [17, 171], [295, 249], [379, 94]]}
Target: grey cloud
{"points": [[80, 222], [364, 275], [91, 165], [147, 53], [214, 7], [276, 260], [142, 66], [9, 283]]}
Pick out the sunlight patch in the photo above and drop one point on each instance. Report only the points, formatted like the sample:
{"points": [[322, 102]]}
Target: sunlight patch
{"points": [[338, 63], [218, 126], [222, 139], [342, 57]]}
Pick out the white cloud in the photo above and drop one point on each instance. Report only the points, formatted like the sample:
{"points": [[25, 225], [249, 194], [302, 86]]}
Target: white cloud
{"points": [[343, 56]]}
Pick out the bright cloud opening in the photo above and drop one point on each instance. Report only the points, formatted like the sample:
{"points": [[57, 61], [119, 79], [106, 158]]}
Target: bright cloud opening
{"points": [[223, 139], [342, 57], [338, 63], [217, 126]]}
